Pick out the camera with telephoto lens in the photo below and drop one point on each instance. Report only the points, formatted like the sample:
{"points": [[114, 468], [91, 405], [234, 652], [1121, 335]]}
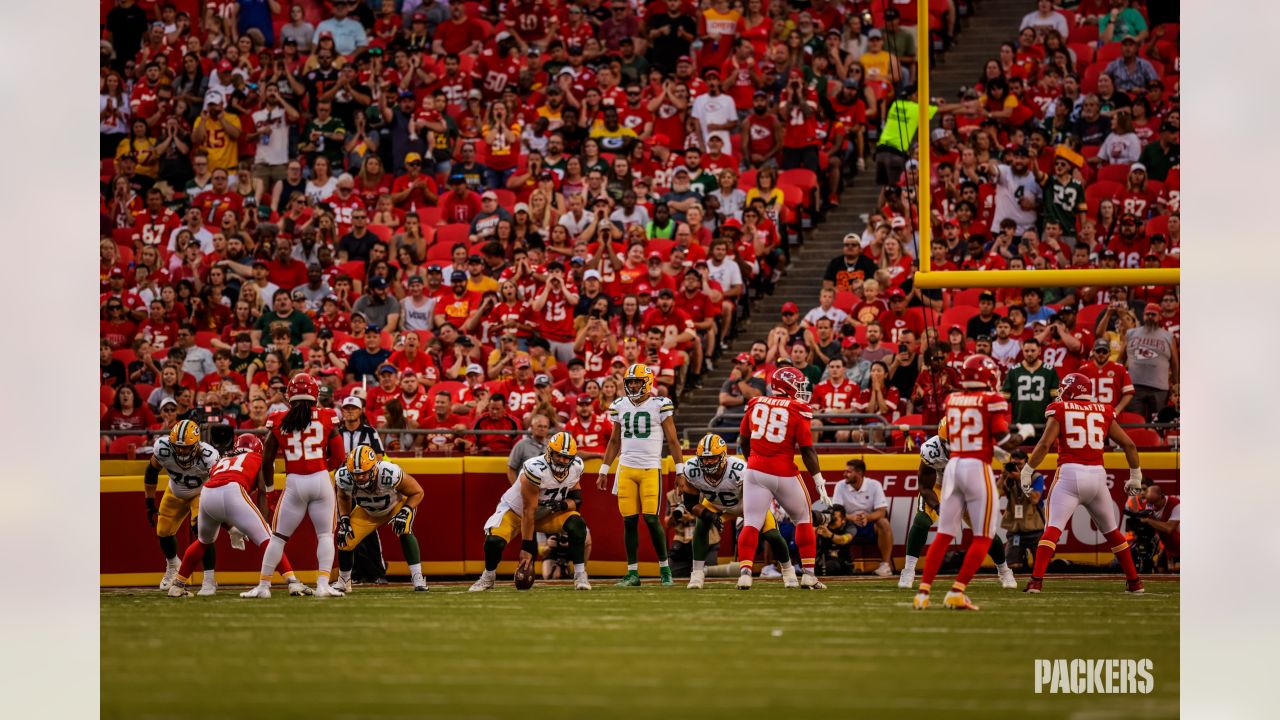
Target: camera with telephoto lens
{"points": [[1133, 522], [822, 517]]}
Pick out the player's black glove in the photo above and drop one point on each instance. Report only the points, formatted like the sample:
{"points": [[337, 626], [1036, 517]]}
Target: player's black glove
{"points": [[560, 505], [344, 528], [152, 513], [400, 523]]}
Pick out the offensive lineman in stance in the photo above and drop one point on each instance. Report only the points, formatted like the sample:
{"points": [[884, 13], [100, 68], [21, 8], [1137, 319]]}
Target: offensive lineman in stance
{"points": [[637, 419], [226, 501], [307, 434], [372, 493], [773, 429], [188, 461], [1081, 427], [933, 460], [713, 487], [545, 498], [972, 420]]}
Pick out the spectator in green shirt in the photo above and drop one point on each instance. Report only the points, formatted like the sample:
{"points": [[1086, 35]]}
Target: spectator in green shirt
{"points": [[1162, 155], [1030, 386], [302, 332]]}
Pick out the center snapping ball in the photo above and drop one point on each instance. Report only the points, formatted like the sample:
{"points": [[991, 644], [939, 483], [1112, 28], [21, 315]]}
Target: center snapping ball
{"points": [[524, 578]]}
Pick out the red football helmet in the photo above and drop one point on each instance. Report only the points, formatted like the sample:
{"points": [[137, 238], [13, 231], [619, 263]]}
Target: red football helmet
{"points": [[979, 372], [302, 387], [792, 383], [1075, 386], [247, 443]]}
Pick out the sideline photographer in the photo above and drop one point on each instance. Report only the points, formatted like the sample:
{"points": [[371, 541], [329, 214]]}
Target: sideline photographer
{"points": [[1023, 520], [835, 541], [1153, 520]]}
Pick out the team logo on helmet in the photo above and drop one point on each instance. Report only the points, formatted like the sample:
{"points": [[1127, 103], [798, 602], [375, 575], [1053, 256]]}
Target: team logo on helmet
{"points": [[979, 372], [1075, 386], [638, 382], [562, 449], [361, 462], [302, 387], [184, 438], [247, 443], [791, 383], [713, 454]]}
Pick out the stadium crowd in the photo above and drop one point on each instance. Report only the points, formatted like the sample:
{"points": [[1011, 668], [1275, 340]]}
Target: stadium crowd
{"points": [[473, 215]]}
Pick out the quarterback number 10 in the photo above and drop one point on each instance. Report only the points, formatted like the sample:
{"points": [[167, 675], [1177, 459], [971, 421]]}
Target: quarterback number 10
{"points": [[641, 428], [768, 422]]}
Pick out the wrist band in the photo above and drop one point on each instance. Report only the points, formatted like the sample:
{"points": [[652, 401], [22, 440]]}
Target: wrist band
{"points": [[679, 468], [530, 546]]}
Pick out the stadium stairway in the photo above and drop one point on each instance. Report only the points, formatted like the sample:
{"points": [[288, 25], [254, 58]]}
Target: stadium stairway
{"points": [[979, 39]]}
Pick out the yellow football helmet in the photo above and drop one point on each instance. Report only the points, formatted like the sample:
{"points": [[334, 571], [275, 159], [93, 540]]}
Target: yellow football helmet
{"points": [[713, 454], [361, 462], [562, 449], [638, 382], [185, 440]]}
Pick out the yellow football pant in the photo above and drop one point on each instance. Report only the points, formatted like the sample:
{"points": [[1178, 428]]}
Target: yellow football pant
{"points": [[362, 523], [172, 511], [509, 527], [638, 490]]}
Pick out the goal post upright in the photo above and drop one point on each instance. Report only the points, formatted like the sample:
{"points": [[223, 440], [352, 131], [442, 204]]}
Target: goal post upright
{"points": [[923, 99]]}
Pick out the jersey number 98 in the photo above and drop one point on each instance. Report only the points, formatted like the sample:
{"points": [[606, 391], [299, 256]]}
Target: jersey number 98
{"points": [[769, 423]]}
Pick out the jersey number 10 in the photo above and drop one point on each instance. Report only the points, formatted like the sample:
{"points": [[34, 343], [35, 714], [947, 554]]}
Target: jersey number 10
{"points": [[641, 427]]}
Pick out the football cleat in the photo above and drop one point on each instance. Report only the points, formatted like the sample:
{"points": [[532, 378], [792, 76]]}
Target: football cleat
{"points": [[484, 583], [208, 588], [170, 572], [323, 591], [1034, 585], [260, 591], [1007, 580], [420, 585], [1134, 586], [696, 579], [341, 585], [664, 576], [920, 601], [809, 581], [297, 588], [631, 579], [744, 580], [178, 589], [958, 601], [769, 571], [789, 579], [580, 581], [907, 579], [884, 570]]}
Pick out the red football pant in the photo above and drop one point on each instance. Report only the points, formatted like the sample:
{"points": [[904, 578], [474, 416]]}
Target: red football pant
{"points": [[972, 560], [195, 551], [748, 539], [1049, 544]]}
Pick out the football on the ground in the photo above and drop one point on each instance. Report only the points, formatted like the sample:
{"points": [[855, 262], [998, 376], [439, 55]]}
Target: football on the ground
{"points": [[524, 578]]}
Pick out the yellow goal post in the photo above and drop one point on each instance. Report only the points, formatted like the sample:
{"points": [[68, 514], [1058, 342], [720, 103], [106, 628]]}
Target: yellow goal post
{"points": [[926, 278]]}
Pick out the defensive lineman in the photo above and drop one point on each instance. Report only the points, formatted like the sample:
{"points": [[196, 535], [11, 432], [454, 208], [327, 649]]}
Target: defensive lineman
{"points": [[545, 498], [187, 460], [1080, 427], [641, 421], [372, 493], [713, 487]]}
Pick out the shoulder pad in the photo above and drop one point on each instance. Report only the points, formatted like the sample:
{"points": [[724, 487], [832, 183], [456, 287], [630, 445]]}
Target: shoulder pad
{"points": [[693, 468], [342, 479], [534, 468], [389, 474], [162, 443]]}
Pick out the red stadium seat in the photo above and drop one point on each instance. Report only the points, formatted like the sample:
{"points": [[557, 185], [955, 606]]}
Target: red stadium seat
{"points": [[1146, 438], [445, 386], [794, 196], [106, 394], [127, 444], [1084, 34], [353, 269], [1107, 53], [439, 254], [204, 337], [1083, 53], [927, 316], [845, 300], [1158, 225], [1171, 31], [124, 355], [107, 168], [382, 231], [452, 234], [1089, 78], [1087, 316], [803, 178], [958, 315], [968, 297], [1114, 173], [747, 180], [123, 237], [144, 391], [1099, 191], [430, 216], [1128, 418], [506, 198]]}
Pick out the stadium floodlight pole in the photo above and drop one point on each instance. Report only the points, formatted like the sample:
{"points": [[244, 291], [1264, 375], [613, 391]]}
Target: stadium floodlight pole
{"points": [[1047, 278], [923, 100]]}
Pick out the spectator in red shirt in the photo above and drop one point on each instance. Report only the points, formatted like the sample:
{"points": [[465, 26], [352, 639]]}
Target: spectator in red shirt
{"points": [[461, 204], [895, 320], [496, 418], [1111, 383], [127, 412], [933, 385]]}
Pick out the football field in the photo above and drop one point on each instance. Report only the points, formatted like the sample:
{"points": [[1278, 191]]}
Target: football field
{"points": [[857, 649]]}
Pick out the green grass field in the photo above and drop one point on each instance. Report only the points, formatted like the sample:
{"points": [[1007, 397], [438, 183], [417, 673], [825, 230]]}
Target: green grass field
{"points": [[651, 652]]}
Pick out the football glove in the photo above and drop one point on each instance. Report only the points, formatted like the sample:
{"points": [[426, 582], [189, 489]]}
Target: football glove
{"points": [[344, 528], [1133, 485], [237, 539], [821, 484], [152, 513], [1000, 454], [400, 523], [1026, 477]]}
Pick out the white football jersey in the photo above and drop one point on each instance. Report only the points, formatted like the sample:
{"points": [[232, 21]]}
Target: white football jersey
{"points": [[550, 488], [934, 453], [380, 499], [726, 494], [641, 427], [185, 482]]}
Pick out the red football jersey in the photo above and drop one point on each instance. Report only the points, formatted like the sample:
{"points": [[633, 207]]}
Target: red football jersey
{"points": [[1110, 382], [778, 427], [973, 421], [592, 435], [1085, 425], [417, 406], [241, 469], [305, 451], [828, 397]]}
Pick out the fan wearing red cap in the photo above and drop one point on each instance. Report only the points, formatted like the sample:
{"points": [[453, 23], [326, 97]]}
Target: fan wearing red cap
{"points": [[307, 435], [975, 421]]}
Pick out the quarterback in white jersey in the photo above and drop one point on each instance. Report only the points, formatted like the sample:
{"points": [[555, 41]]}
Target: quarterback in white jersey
{"points": [[712, 486], [544, 499], [641, 422], [187, 460], [373, 493]]}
